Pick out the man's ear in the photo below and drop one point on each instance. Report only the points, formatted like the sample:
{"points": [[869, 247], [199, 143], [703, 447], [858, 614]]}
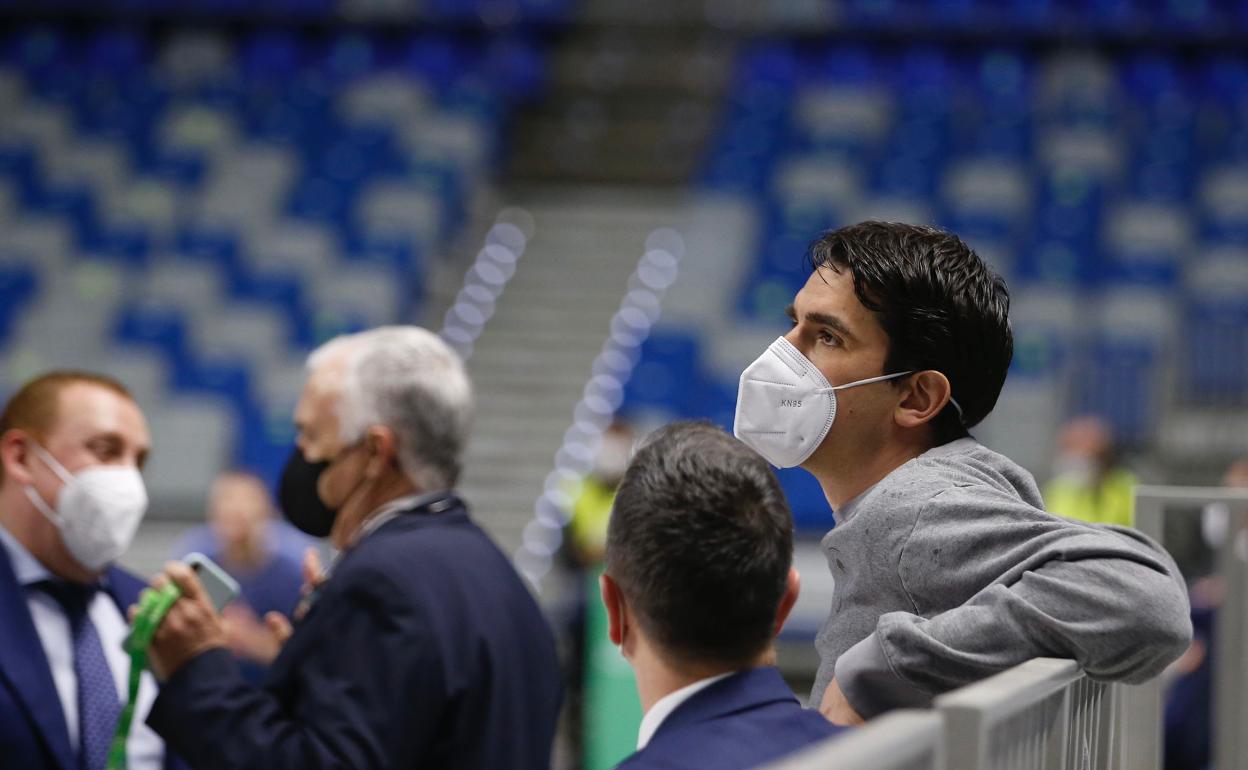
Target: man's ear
{"points": [[926, 394], [792, 587], [384, 450], [15, 457], [613, 600]]}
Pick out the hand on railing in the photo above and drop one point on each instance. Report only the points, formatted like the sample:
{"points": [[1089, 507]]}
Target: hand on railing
{"points": [[836, 709]]}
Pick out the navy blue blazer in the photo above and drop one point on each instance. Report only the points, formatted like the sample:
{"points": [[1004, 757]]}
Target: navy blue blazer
{"points": [[424, 649], [742, 721], [33, 733]]}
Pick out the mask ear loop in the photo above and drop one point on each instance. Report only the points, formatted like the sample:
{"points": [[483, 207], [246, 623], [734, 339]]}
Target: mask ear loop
{"points": [[52, 463], [871, 380], [62, 473]]}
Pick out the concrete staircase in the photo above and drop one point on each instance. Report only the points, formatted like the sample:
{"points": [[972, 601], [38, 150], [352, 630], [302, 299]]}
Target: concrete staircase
{"points": [[535, 355], [628, 104]]}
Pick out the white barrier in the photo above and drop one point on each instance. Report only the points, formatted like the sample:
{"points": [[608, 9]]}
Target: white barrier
{"points": [[902, 740], [1044, 714], [1139, 713]]}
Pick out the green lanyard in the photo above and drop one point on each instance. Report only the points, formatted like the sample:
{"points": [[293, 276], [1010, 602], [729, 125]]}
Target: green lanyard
{"points": [[153, 606]]}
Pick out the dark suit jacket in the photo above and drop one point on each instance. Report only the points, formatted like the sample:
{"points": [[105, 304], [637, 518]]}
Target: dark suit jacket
{"points": [[423, 650], [33, 734], [742, 721]]}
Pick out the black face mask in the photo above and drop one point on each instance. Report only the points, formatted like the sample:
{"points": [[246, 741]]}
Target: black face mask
{"points": [[298, 498]]}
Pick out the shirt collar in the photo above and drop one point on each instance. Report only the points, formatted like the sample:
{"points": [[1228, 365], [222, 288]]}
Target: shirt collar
{"points": [[26, 568], [390, 510], [849, 507], [664, 707]]}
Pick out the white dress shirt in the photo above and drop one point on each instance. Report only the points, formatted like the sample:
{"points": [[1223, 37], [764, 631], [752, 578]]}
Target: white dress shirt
{"points": [[144, 748], [663, 707]]}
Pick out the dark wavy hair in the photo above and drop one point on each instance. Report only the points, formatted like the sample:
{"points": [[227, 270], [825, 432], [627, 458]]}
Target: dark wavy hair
{"points": [[941, 306]]}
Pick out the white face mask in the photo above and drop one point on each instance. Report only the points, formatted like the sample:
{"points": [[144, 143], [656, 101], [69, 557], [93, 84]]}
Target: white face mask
{"points": [[785, 406], [97, 511]]}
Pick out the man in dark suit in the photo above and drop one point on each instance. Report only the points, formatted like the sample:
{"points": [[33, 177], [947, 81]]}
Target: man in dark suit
{"points": [[698, 582], [423, 648], [71, 498]]}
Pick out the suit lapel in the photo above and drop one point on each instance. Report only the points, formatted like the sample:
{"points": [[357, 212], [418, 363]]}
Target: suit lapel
{"points": [[25, 665]]}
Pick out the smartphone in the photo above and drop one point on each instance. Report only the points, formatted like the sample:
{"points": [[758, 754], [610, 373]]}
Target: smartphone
{"points": [[220, 587]]}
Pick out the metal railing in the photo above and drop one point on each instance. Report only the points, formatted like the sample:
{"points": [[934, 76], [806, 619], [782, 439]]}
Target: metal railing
{"points": [[1140, 710], [902, 740], [1044, 714]]}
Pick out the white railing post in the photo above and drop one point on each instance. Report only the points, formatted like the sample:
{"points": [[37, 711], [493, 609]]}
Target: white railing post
{"points": [[1017, 718], [1139, 712], [1230, 657]]}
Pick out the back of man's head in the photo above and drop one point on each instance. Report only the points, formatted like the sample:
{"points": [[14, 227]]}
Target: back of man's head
{"points": [[941, 306], [700, 544]]}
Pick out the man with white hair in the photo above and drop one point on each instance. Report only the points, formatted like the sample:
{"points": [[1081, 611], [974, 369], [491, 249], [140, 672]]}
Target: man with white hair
{"points": [[423, 648]]}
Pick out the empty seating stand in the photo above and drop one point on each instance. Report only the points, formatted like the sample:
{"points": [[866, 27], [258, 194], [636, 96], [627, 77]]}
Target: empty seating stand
{"points": [[195, 212]]}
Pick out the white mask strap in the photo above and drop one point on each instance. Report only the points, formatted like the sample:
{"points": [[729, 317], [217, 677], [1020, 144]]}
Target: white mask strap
{"points": [[52, 462], [870, 380], [882, 378]]}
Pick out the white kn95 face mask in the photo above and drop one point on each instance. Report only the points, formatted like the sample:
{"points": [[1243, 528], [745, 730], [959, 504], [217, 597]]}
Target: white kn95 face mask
{"points": [[97, 511], [785, 406]]}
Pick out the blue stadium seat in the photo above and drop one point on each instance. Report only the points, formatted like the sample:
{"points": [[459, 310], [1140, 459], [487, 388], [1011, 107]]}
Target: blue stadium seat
{"points": [[811, 512], [1214, 363], [668, 374], [1120, 381], [156, 328], [19, 285]]}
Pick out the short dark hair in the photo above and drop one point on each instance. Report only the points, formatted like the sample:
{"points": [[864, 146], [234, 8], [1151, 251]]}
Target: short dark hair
{"points": [[700, 543], [941, 306]]}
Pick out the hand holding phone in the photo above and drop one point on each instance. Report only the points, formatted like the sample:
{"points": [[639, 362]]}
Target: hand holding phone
{"points": [[220, 587]]}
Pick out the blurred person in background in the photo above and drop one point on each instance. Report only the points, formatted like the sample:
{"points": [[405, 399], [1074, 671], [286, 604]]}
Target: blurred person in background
{"points": [[591, 499], [699, 580], [280, 539], [241, 523], [1219, 520], [72, 445], [1189, 702], [1089, 482], [594, 495], [423, 648], [947, 567]]}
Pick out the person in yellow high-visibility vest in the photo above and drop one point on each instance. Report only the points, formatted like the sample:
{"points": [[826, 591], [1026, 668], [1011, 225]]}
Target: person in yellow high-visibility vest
{"points": [[602, 696], [1089, 483]]}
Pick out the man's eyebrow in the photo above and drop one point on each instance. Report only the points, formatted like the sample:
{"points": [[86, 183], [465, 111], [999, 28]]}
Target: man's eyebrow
{"points": [[791, 312], [830, 321]]}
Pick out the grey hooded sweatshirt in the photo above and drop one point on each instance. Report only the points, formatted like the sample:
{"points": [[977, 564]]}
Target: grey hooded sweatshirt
{"points": [[949, 570]]}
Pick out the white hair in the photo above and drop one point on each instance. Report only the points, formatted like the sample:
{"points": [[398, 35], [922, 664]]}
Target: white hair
{"points": [[408, 379]]}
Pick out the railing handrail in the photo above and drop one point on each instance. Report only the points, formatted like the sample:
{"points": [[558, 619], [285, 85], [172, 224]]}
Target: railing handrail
{"points": [[1189, 495], [1003, 693], [902, 736]]}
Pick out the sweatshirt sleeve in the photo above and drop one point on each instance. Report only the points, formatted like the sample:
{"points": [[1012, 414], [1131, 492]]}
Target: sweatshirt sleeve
{"points": [[1112, 601]]}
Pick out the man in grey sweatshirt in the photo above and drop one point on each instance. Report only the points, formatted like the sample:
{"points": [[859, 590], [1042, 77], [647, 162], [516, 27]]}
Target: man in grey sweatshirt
{"points": [[947, 567]]}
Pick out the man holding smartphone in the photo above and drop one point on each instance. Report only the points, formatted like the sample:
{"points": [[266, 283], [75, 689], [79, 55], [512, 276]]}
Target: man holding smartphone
{"points": [[72, 445], [422, 648]]}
